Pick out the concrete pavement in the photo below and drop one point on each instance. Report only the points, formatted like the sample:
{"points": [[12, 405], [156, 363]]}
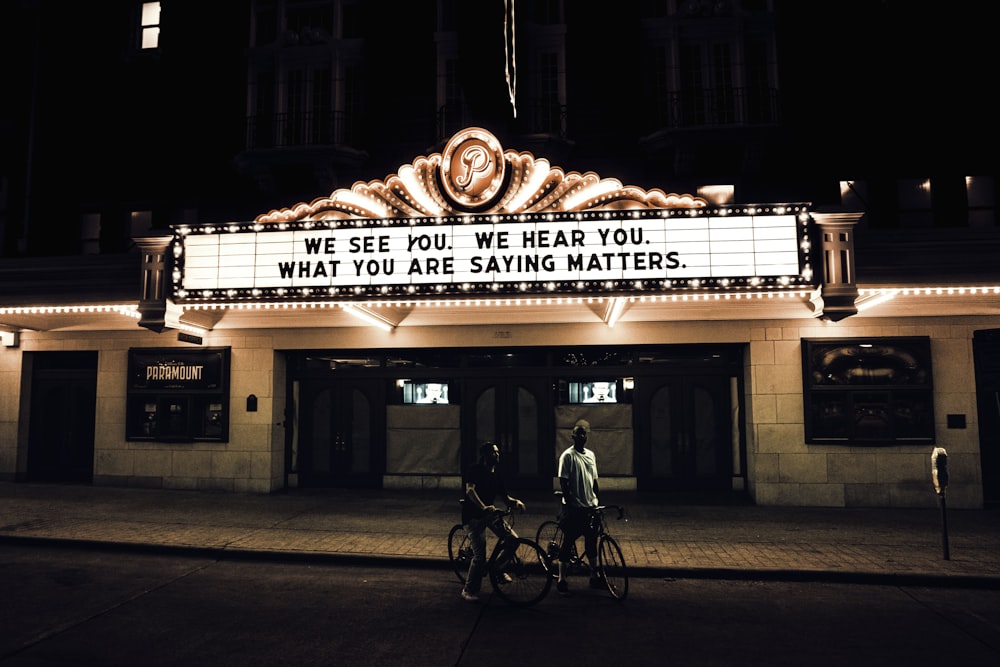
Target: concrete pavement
{"points": [[659, 539]]}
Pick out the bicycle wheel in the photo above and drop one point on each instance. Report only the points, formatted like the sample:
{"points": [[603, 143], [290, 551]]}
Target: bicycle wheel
{"points": [[611, 566], [550, 539], [459, 551], [524, 578]]}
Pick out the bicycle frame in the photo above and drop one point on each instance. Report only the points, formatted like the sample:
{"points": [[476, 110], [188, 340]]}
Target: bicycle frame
{"points": [[517, 567], [610, 565]]}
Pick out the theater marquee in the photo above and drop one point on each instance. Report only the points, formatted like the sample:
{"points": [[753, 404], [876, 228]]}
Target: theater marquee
{"points": [[504, 223]]}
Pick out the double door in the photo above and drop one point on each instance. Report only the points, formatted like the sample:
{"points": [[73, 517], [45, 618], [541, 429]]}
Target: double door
{"points": [[516, 413], [686, 435], [61, 440], [340, 439], [986, 348]]}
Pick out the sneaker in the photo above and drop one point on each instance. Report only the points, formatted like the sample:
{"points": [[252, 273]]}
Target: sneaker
{"points": [[563, 589], [469, 597], [506, 578]]}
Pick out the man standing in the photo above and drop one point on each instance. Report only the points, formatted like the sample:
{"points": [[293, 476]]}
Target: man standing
{"points": [[578, 479], [483, 483]]}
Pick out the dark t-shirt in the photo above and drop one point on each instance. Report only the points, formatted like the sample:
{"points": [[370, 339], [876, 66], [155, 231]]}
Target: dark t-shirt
{"points": [[488, 486]]}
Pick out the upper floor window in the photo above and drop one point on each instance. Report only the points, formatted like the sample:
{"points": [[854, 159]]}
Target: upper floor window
{"points": [[447, 11], [705, 68], [149, 25], [545, 12], [982, 201], [938, 202], [309, 21]]}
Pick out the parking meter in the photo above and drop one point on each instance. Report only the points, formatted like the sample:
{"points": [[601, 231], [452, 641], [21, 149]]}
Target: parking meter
{"points": [[939, 469]]}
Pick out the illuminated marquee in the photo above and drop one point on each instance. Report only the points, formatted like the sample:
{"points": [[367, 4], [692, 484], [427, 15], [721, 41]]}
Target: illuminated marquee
{"points": [[621, 250], [475, 219]]}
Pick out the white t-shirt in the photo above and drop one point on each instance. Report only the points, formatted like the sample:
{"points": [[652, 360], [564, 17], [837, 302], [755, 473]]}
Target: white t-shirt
{"points": [[580, 469]]}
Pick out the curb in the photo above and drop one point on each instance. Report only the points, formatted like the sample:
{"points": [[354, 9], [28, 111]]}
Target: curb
{"points": [[386, 560]]}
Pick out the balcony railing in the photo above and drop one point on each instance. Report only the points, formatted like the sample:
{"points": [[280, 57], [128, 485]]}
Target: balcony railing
{"points": [[532, 118], [288, 130]]}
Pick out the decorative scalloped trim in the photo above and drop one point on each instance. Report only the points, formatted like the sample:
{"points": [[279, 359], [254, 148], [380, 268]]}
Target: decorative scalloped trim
{"points": [[534, 187]]}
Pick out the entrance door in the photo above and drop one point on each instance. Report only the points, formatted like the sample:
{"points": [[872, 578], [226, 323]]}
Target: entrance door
{"points": [[517, 415], [341, 433], [986, 349], [63, 413], [684, 433]]}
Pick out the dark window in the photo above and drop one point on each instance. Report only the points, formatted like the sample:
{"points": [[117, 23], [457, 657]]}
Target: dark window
{"points": [[350, 23], [589, 357], [309, 20], [950, 202], [265, 23]]}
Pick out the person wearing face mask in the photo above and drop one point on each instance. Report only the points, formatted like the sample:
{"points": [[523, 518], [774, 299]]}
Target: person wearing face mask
{"points": [[578, 480]]}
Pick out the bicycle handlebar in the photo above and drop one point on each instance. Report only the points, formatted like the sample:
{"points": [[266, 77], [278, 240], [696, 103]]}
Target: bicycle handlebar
{"points": [[621, 509]]}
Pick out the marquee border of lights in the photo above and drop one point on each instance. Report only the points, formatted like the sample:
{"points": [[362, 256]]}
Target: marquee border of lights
{"points": [[613, 303], [515, 301], [365, 293], [131, 311]]}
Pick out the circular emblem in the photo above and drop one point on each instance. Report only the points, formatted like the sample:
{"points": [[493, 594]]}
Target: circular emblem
{"points": [[472, 168]]}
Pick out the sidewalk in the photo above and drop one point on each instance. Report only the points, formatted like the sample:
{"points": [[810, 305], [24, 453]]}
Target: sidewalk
{"points": [[892, 546]]}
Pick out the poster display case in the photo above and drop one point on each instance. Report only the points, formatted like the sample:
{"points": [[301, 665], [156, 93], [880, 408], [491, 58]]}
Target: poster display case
{"points": [[178, 395]]}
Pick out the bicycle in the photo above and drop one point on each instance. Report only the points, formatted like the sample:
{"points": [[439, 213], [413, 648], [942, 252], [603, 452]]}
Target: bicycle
{"points": [[460, 547], [517, 567], [610, 568]]}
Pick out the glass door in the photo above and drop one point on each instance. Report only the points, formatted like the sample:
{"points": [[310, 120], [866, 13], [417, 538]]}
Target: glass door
{"points": [[685, 439], [341, 436], [517, 415]]}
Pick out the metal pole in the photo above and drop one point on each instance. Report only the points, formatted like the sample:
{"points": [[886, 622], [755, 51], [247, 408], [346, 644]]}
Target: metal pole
{"points": [[944, 527]]}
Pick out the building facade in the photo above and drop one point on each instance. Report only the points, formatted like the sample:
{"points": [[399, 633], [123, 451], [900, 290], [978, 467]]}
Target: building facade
{"points": [[379, 248]]}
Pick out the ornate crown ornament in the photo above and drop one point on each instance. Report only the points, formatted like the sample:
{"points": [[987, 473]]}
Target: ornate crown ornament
{"points": [[474, 174]]}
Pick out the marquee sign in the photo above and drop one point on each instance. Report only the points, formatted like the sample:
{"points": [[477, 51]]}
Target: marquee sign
{"points": [[498, 223]]}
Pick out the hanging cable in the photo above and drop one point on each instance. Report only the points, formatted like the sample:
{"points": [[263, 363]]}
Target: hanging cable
{"points": [[510, 60]]}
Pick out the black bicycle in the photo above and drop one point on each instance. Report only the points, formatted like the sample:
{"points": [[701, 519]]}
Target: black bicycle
{"points": [[517, 567], [610, 566]]}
